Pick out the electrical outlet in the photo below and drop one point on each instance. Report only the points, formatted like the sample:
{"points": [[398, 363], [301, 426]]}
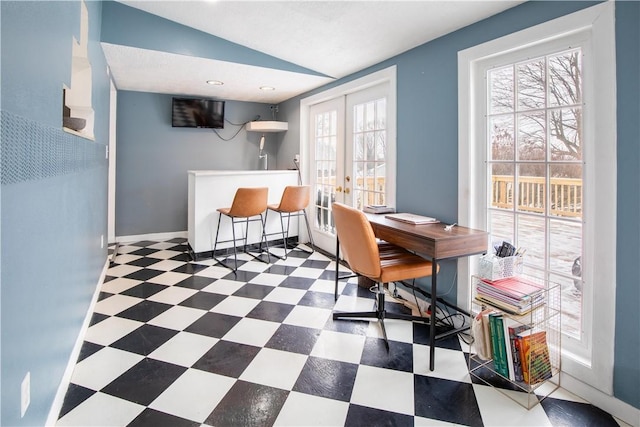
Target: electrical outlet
{"points": [[25, 394], [102, 241]]}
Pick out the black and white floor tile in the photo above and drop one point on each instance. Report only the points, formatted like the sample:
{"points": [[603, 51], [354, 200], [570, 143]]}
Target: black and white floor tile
{"points": [[180, 343]]}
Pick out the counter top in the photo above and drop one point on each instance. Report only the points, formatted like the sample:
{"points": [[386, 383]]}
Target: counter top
{"points": [[238, 172]]}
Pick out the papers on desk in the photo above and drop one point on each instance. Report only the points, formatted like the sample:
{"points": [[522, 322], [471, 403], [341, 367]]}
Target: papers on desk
{"points": [[412, 218]]}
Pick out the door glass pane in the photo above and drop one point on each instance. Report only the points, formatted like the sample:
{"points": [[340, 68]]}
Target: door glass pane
{"points": [[530, 236], [501, 137], [565, 188], [531, 188], [501, 90], [565, 135], [325, 166], [565, 79], [501, 226], [531, 136], [531, 85], [502, 191], [370, 153]]}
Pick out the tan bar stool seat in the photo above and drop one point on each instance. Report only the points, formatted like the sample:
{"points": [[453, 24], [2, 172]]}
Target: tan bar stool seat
{"points": [[294, 202], [249, 204]]}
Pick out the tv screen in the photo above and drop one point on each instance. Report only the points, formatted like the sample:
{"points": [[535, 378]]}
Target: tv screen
{"points": [[197, 113]]}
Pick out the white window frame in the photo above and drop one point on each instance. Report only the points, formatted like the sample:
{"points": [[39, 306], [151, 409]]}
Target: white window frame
{"points": [[594, 365]]}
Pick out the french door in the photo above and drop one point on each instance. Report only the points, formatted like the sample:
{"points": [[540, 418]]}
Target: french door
{"points": [[327, 160], [352, 156]]}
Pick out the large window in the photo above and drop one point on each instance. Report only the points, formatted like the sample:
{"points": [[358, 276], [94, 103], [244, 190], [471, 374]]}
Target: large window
{"points": [[537, 167], [534, 172]]}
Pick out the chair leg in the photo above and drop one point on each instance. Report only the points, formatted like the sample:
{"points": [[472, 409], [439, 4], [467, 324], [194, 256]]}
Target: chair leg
{"points": [[263, 221], [380, 313], [306, 220], [215, 244], [284, 237], [235, 250]]}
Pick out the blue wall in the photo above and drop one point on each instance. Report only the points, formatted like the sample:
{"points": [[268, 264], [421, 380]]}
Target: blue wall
{"points": [[54, 192], [153, 158], [127, 26], [427, 144]]}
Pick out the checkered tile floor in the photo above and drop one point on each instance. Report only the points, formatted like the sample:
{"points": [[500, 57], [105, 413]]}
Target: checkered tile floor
{"points": [[180, 343]]}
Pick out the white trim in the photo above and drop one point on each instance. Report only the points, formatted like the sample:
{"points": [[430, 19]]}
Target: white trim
{"points": [[111, 191], [152, 236], [58, 400], [600, 20]]}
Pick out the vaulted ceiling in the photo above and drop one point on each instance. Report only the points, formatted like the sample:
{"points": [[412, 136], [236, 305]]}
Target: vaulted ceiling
{"points": [[323, 40]]}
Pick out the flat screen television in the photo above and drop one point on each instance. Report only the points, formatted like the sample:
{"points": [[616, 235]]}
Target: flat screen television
{"points": [[197, 113]]}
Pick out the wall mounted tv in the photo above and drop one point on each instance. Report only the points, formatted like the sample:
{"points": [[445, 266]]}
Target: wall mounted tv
{"points": [[197, 113]]}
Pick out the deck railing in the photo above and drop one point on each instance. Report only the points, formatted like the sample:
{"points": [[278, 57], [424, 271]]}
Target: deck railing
{"points": [[565, 196]]}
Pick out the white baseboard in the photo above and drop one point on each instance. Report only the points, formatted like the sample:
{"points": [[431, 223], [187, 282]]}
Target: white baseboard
{"points": [[152, 236], [56, 406], [610, 404]]}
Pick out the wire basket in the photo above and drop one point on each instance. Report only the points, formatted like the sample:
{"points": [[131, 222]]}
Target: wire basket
{"points": [[493, 268]]}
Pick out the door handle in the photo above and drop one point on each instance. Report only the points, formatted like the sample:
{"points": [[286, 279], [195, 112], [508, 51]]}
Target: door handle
{"points": [[347, 190], [339, 189], [347, 178]]}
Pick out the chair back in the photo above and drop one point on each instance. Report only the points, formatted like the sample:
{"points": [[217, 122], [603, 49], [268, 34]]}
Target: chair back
{"points": [[295, 198], [357, 240], [249, 202]]}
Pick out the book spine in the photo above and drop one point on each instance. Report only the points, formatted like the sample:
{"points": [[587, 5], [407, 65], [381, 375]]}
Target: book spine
{"points": [[515, 350], [507, 348], [523, 359], [487, 335], [535, 358], [501, 349], [494, 342]]}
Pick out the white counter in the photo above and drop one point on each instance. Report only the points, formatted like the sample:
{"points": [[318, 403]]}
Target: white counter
{"points": [[210, 190]]}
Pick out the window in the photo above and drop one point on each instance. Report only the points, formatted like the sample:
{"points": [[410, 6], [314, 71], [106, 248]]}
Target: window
{"points": [[537, 165], [534, 171]]}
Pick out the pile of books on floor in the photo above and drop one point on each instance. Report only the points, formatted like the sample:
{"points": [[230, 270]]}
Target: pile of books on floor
{"points": [[515, 295], [519, 351]]}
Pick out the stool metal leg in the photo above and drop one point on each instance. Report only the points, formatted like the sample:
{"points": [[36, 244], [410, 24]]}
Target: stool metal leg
{"points": [[306, 220], [263, 221], [235, 250]]}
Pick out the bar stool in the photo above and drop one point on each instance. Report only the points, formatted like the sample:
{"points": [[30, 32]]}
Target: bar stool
{"points": [[294, 201], [248, 205]]}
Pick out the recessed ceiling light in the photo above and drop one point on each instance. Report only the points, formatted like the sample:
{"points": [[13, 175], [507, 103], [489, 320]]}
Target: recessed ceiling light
{"points": [[215, 82], [267, 88]]}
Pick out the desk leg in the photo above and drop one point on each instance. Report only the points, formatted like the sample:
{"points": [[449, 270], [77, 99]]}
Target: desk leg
{"points": [[432, 321], [335, 291]]}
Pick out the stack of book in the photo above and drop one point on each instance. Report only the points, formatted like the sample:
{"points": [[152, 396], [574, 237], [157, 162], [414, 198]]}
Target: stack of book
{"points": [[519, 352], [378, 209], [515, 295]]}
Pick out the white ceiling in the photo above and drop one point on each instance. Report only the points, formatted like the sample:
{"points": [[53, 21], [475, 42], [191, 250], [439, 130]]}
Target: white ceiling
{"points": [[334, 38]]}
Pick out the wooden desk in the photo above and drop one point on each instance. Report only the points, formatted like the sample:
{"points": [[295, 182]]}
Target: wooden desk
{"points": [[433, 241]]}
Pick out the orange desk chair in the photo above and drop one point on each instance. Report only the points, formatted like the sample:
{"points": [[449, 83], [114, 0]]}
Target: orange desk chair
{"points": [[248, 205], [294, 202], [381, 262]]}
